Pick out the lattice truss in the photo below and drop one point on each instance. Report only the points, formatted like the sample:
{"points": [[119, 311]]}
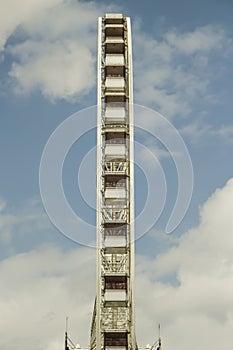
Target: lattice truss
{"points": [[113, 317], [113, 325]]}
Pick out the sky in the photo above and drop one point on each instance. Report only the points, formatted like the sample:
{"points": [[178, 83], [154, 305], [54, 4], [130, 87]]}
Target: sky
{"points": [[182, 61]]}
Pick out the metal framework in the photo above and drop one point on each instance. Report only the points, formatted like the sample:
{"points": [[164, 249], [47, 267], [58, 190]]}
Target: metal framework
{"points": [[113, 322], [113, 318]]}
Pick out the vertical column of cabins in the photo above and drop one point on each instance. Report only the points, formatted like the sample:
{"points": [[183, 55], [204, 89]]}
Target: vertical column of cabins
{"points": [[115, 274]]}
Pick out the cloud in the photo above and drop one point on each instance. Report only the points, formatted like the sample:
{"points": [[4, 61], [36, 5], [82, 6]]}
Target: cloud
{"points": [[38, 290], [201, 39], [28, 220], [61, 70], [188, 289], [199, 130], [39, 286], [150, 152], [195, 304], [2, 204], [174, 74], [54, 51], [14, 14], [226, 131]]}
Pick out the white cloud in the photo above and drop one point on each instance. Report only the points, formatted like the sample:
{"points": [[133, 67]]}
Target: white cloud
{"points": [[150, 153], [55, 50], [40, 288], [199, 130], [173, 74], [226, 131], [202, 39], [61, 70], [196, 311], [56, 53], [15, 13], [2, 204], [16, 223]]}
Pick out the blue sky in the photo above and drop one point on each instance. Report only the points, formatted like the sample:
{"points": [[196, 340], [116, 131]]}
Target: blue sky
{"points": [[183, 69]]}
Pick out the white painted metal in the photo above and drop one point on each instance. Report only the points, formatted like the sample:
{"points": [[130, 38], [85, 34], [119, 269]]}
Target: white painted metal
{"points": [[113, 322], [116, 167], [131, 157], [115, 214], [114, 60], [115, 348], [114, 40], [96, 335], [115, 295], [115, 116], [115, 193], [115, 151], [113, 326], [114, 18], [115, 84], [115, 241]]}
